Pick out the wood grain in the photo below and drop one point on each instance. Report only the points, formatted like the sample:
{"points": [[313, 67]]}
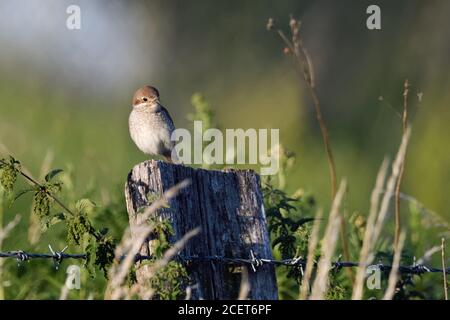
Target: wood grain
{"points": [[227, 206]]}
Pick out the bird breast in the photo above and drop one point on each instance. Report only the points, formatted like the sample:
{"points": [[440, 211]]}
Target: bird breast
{"points": [[150, 130]]}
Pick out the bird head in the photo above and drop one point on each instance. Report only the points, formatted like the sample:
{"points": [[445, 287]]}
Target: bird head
{"points": [[147, 95]]}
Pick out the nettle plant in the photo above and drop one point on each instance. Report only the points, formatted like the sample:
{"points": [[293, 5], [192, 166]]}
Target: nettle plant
{"points": [[97, 244], [170, 282], [290, 218]]}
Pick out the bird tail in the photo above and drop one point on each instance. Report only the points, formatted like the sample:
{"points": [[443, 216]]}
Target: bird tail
{"points": [[171, 157]]}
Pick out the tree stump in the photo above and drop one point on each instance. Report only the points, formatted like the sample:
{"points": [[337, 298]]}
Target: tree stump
{"points": [[227, 206]]}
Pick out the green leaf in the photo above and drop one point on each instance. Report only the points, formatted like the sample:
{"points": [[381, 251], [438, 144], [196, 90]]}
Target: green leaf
{"points": [[105, 253], [89, 249], [52, 174], [85, 205], [300, 222], [278, 241], [25, 191], [77, 227]]}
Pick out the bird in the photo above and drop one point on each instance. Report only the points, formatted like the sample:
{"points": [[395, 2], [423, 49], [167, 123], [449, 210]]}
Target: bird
{"points": [[150, 124]]}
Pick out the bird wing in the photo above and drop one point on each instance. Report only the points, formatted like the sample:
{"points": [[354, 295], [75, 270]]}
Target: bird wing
{"points": [[167, 119]]}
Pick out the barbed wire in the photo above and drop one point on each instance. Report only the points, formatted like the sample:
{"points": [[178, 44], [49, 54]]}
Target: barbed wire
{"points": [[300, 262], [57, 256], [254, 262]]}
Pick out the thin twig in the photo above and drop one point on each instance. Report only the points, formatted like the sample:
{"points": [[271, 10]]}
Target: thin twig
{"points": [[59, 202], [308, 72], [436, 217], [51, 195], [386, 103], [305, 65], [304, 62]]}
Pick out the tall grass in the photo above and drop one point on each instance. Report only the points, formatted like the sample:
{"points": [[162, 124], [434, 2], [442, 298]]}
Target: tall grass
{"points": [[405, 116], [320, 285], [443, 268], [304, 67], [393, 275], [130, 246]]}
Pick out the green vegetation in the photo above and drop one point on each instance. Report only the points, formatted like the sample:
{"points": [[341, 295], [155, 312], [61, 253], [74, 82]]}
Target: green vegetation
{"points": [[242, 70]]}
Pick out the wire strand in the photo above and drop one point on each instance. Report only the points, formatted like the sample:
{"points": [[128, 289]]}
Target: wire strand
{"points": [[253, 262]]}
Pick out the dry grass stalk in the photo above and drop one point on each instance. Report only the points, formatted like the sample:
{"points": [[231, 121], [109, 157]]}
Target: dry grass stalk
{"points": [[64, 293], [161, 202], [245, 285], [306, 69], [402, 167], [146, 292], [8, 228], [393, 275], [443, 268], [308, 74], [117, 288], [295, 46], [367, 241], [4, 231], [374, 228], [427, 255], [391, 183], [320, 285], [312, 244], [130, 246]]}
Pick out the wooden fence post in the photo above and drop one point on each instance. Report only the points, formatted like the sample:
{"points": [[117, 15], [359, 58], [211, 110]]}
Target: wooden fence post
{"points": [[227, 206]]}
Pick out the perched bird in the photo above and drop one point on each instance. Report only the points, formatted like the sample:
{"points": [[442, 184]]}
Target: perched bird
{"points": [[150, 124]]}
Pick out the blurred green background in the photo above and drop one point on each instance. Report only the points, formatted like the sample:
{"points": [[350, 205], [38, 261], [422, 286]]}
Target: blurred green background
{"points": [[65, 95]]}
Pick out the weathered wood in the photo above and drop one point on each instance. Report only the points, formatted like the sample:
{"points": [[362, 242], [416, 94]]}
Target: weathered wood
{"points": [[227, 206]]}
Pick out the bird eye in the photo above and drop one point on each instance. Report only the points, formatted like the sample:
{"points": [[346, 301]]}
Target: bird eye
{"points": [[145, 99]]}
